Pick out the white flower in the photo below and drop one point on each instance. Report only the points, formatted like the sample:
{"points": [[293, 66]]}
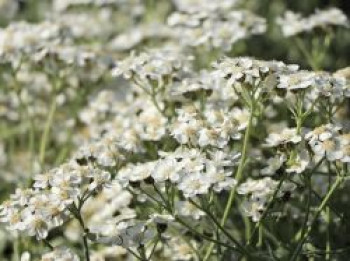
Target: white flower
{"points": [[153, 65], [215, 30], [135, 173], [153, 124], [330, 148], [134, 234], [186, 132], [259, 193], [60, 254], [324, 141], [160, 218], [344, 141], [246, 69], [192, 161], [193, 84], [330, 87], [41, 181], [194, 184], [241, 116], [55, 211], [210, 137], [257, 187], [13, 219], [288, 135], [100, 179], [179, 250], [332, 16], [126, 67], [167, 169], [224, 159], [36, 225], [295, 81], [22, 37], [299, 163], [186, 208], [194, 6], [218, 177], [322, 133], [293, 23], [254, 207], [273, 164]]}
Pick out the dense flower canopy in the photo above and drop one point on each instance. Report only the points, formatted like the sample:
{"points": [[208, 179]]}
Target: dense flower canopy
{"points": [[146, 130]]}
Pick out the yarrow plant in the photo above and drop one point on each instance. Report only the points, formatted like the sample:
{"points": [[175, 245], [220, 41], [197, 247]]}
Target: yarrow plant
{"points": [[146, 130]]}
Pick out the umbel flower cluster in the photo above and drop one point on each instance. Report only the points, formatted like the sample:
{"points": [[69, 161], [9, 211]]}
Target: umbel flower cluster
{"points": [[133, 131]]}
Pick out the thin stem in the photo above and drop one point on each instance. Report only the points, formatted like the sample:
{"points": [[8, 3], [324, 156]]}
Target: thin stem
{"points": [[260, 241], [166, 202], [192, 230], [76, 212], [320, 208], [46, 133], [328, 216], [238, 177], [86, 248], [274, 195], [319, 198], [301, 45], [247, 228], [302, 231], [48, 244], [133, 253], [154, 248], [156, 104], [152, 197], [220, 227], [328, 243]]}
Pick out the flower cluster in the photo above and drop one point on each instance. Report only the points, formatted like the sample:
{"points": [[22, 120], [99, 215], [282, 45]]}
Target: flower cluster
{"points": [[260, 192], [191, 171], [60, 254], [52, 197], [215, 30], [293, 23], [158, 135]]}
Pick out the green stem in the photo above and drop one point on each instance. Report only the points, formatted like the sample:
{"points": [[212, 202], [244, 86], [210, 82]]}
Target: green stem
{"points": [[260, 241], [192, 230], [220, 227], [320, 208], [328, 244], [154, 248], [134, 254], [274, 195], [302, 231], [46, 133], [76, 213], [238, 177], [328, 216], [301, 45], [16, 249]]}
